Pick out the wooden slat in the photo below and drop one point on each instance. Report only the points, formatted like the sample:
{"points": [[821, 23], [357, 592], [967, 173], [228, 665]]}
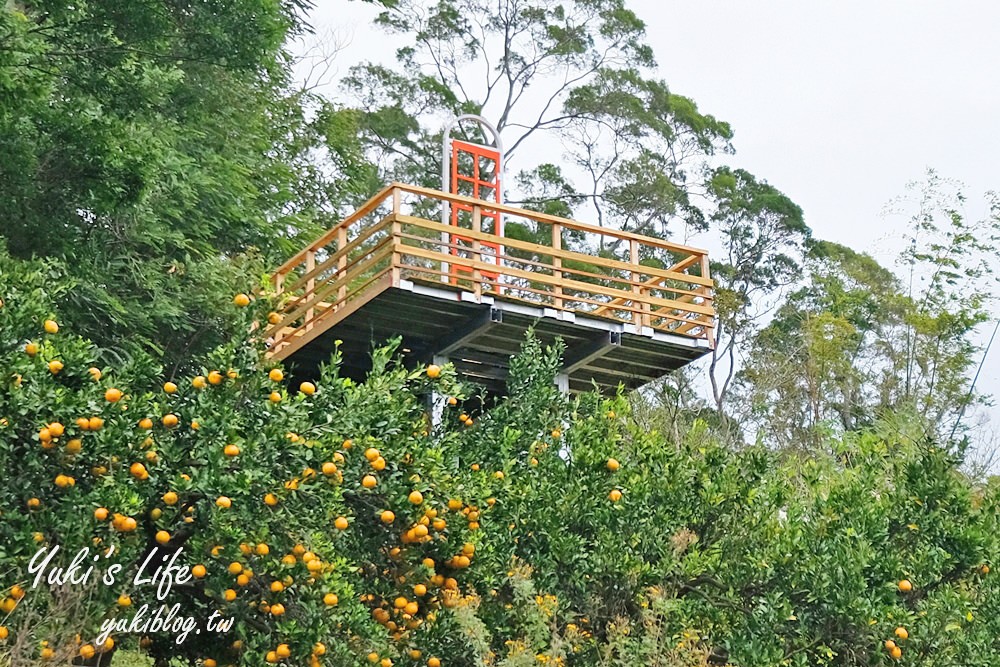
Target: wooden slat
{"points": [[549, 219], [549, 280], [663, 274]]}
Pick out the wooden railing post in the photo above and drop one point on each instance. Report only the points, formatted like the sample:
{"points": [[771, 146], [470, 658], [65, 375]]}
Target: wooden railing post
{"points": [[477, 254], [279, 284], [341, 265], [557, 266], [707, 292], [395, 230], [638, 303], [310, 284]]}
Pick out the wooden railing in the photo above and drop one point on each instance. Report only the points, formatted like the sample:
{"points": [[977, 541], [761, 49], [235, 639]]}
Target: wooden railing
{"points": [[396, 236]]}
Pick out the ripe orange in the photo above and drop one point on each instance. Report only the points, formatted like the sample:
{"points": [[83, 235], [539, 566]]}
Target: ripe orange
{"points": [[276, 375], [373, 657], [17, 592], [224, 502], [95, 423], [371, 454], [198, 571], [273, 318], [556, 434], [889, 644], [387, 516], [270, 499], [615, 495], [274, 397], [170, 420], [4, 633], [235, 568], [340, 523], [101, 514], [51, 327], [307, 388], [55, 366], [433, 371], [87, 651], [905, 586], [378, 464], [420, 590], [329, 469], [434, 662], [984, 569], [330, 599], [241, 300], [229, 595], [498, 474], [162, 536], [613, 465], [385, 662], [319, 648], [169, 498], [209, 662], [416, 497], [31, 349], [452, 401], [113, 395], [46, 653], [271, 656], [170, 387], [74, 446], [896, 653], [146, 423], [231, 450], [369, 481], [199, 382], [902, 633], [138, 471], [56, 429], [215, 378], [124, 600], [277, 609], [455, 504]]}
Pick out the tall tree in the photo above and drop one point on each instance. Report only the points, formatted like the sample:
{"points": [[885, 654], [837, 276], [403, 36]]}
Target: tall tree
{"points": [[578, 73], [857, 341], [150, 148]]}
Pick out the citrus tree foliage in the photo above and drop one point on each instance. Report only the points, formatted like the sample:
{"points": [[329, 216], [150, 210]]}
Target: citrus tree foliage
{"points": [[142, 142], [338, 527]]}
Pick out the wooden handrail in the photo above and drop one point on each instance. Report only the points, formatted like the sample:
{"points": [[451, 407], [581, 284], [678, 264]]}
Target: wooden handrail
{"points": [[566, 223], [614, 264], [380, 242]]}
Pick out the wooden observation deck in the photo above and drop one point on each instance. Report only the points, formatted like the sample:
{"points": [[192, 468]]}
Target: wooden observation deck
{"points": [[469, 295]]}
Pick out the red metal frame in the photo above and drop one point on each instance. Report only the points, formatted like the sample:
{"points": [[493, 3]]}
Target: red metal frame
{"points": [[478, 187]]}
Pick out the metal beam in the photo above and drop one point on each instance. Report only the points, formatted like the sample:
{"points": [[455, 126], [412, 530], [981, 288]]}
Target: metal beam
{"points": [[584, 353], [466, 332]]}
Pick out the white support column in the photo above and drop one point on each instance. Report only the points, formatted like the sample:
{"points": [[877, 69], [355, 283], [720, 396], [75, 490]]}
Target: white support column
{"points": [[562, 381], [438, 401]]}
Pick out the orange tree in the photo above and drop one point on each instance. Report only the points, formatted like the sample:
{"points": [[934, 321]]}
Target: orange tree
{"points": [[337, 526]]}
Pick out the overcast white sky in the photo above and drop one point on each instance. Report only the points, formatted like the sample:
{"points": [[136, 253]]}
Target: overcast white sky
{"points": [[838, 103]]}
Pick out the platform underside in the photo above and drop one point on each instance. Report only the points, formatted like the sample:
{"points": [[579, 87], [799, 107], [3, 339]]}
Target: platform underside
{"points": [[479, 338]]}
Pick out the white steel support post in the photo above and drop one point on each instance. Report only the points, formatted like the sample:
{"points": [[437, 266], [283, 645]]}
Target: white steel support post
{"points": [[438, 401]]}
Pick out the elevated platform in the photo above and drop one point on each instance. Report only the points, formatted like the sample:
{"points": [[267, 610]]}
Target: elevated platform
{"points": [[470, 296]]}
